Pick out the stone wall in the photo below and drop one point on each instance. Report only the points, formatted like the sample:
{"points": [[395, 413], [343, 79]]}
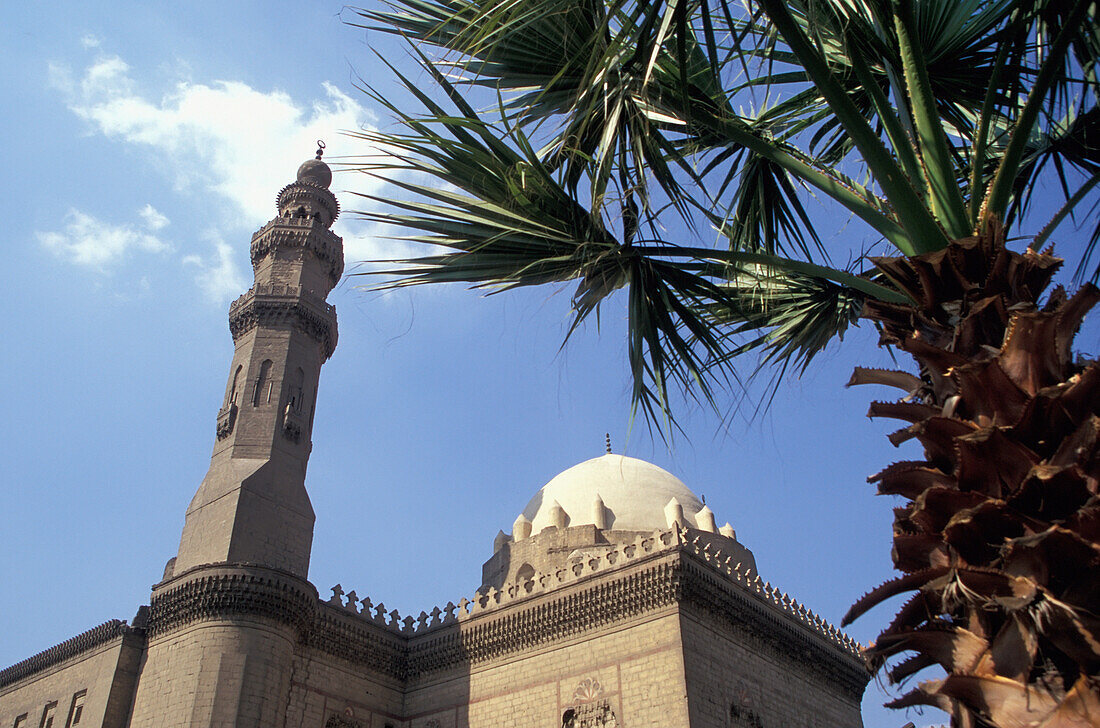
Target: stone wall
{"points": [[735, 680], [216, 674], [627, 675], [86, 681]]}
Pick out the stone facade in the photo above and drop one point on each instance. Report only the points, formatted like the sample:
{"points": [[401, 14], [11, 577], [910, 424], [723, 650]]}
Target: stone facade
{"points": [[602, 619]]}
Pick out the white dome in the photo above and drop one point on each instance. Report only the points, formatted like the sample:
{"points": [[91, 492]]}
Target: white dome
{"points": [[634, 494]]}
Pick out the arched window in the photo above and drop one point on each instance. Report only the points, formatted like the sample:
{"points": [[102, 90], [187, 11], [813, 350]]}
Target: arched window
{"points": [[258, 394], [297, 393], [233, 387]]}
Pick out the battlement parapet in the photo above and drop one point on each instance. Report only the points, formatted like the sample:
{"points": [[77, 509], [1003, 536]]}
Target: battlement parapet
{"points": [[691, 543]]}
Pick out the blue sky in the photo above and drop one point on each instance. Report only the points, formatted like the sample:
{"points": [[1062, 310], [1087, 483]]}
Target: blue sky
{"points": [[144, 145]]}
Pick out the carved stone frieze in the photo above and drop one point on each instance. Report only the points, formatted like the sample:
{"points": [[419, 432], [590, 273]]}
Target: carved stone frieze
{"points": [[228, 595], [257, 309], [596, 606]]}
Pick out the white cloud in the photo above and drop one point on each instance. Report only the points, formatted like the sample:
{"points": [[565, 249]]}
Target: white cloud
{"points": [[220, 278], [153, 219], [226, 137], [88, 40], [227, 148], [90, 242]]}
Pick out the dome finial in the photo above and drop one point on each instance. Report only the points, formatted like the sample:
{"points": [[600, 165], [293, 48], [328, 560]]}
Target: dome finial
{"points": [[607, 437], [320, 148]]}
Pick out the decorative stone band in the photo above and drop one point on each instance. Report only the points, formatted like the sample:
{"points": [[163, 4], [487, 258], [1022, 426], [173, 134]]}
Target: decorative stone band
{"points": [[83, 642], [229, 593], [597, 605], [266, 305], [306, 233]]}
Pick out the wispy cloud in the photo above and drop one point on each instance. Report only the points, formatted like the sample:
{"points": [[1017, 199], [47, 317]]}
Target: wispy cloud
{"points": [[222, 136], [88, 241], [153, 219], [218, 275], [222, 144]]}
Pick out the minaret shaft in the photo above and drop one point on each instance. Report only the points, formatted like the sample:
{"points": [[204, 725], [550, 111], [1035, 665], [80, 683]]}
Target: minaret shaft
{"points": [[252, 506]]}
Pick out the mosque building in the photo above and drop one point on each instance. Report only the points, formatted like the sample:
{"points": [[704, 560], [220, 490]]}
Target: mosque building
{"points": [[615, 601]]}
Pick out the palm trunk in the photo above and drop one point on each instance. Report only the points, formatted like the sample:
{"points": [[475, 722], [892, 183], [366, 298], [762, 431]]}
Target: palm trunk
{"points": [[999, 537]]}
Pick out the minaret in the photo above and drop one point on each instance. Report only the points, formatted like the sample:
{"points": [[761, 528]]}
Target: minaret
{"points": [[252, 506], [225, 621]]}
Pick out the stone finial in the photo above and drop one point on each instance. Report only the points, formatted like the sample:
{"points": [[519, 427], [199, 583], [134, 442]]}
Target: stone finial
{"points": [[501, 539], [727, 531], [704, 519], [353, 598], [314, 171], [607, 437], [337, 594], [521, 528], [599, 513], [674, 513], [558, 517]]}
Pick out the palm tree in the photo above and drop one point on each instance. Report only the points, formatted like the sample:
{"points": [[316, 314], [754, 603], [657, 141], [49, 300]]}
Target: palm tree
{"points": [[670, 147]]}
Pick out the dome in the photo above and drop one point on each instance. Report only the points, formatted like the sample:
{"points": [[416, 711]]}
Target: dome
{"points": [[316, 172], [635, 495]]}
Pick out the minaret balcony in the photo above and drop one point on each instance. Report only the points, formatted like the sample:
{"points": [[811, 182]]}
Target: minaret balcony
{"points": [[275, 306], [300, 232]]}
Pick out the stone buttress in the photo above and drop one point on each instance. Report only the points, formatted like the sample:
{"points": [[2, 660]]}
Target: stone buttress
{"points": [[233, 603]]}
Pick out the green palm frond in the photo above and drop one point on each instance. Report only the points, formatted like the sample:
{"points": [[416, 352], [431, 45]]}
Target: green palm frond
{"points": [[918, 117]]}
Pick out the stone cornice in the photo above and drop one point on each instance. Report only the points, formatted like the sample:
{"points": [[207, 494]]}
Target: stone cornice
{"points": [[221, 593], [278, 305], [556, 617], [358, 641], [306, 233], [83, 642]]}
